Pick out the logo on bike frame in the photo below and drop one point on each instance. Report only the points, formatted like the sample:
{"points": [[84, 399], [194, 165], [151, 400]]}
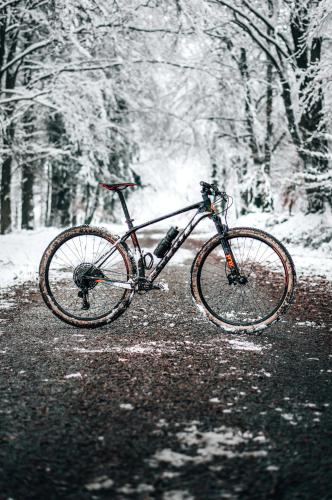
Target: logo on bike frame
{"points": [[230, 261]]}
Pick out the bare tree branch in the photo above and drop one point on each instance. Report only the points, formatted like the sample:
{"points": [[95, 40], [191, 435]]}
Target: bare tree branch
{"points": [[247, 29], [22, 97], [269, 25], [7, 4], [277, 143], [22, 55], [252, 25], [74, 69]]}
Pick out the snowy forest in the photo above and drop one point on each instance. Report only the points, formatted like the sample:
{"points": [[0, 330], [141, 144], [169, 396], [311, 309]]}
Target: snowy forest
{"points": [[96, 90]]}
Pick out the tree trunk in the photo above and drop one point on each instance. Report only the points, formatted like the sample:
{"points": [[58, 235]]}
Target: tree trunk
{"points": [[269, 105], [258, 193], [5, 210], [315, 155], [90, 211], [27, 198], [243, 66], [7, 53], [314, 150], [60, 200]]}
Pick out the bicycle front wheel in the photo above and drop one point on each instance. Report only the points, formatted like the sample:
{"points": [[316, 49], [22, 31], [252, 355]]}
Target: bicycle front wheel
{"points": [[73, 277], [266, 289]]}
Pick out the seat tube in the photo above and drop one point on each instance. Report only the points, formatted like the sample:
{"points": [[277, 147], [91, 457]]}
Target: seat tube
{"points": [[129, 221]]}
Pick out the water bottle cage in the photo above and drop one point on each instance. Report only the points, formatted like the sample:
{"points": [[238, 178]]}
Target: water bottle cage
{"points": [[148, 261]]}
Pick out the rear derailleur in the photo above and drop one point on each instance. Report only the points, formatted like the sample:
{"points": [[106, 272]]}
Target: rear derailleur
{"points": [[85, 275]]}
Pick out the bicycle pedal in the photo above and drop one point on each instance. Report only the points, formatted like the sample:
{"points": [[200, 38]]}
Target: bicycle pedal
{"points": [[162, 286]]}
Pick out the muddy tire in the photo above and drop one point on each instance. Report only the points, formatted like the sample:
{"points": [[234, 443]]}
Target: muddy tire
{"points": [[59, 276], [268, 285]]}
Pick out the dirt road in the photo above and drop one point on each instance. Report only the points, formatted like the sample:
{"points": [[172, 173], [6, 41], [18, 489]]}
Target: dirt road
{"points": [[162, 404]]}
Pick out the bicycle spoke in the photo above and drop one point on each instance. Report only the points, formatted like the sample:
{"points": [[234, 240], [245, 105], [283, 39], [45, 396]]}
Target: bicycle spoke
{"points": [[261, 291], [64, 269]]}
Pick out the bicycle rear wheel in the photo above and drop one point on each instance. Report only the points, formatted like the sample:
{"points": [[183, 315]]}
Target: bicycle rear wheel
{"points": [[266, 291], [70, 267]]}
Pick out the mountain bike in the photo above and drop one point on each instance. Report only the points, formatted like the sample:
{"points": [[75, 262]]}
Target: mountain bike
{"points": [[242, 279]]}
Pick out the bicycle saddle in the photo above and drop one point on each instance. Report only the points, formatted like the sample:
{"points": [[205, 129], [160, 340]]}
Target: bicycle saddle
{"points": [[117, 187]]}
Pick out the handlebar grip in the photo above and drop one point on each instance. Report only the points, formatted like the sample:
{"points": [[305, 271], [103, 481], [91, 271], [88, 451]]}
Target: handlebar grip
{"points": [[205, 184]]}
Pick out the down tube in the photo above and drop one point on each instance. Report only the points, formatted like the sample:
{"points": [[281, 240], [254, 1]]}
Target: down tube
{"points": [[175, 247]]}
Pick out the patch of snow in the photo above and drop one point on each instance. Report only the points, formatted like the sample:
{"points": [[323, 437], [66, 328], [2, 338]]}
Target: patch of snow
{"points": [[126, 406], [203, 446], [127, 489], [309, 323], [272, 468], [177, 495], [167, 474], [171, 457], [244, 345], [100, 483], [73, 375], [143, 348], [222, 441], [162, 423], [289, 417], [260, 438], [89, 351], [20, 254], [6, 304], [144, 488]]}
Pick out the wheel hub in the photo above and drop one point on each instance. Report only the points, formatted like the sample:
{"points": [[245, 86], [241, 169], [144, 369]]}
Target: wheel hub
{"points": [[85, 274], [235, 279]]}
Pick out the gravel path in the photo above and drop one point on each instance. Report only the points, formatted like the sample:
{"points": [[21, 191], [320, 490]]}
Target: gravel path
{"points": [[162, 404]]}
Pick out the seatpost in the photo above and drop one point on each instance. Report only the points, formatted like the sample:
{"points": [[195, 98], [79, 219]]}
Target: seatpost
{"points": [[129, 221]]}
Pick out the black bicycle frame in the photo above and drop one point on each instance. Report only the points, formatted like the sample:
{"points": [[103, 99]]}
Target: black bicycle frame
{"points": [[203, 209]]}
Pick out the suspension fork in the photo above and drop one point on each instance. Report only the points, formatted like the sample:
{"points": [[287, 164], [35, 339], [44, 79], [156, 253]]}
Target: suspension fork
{"points": [[229, 255]]}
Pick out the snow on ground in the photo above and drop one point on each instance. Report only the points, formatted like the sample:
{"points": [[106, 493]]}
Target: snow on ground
{"points": [[20, 252], [308, 238], [198, 446]]}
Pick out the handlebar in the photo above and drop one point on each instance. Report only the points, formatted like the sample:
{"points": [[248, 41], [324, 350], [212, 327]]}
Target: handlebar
{"points": [[209, 188]]}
